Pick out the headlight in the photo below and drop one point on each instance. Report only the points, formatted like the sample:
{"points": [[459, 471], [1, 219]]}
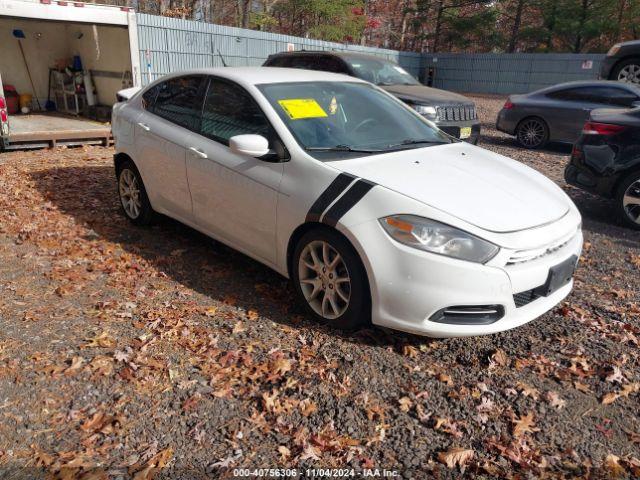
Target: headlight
{"points": [[426, 111], [436, 237], [613, 50]]}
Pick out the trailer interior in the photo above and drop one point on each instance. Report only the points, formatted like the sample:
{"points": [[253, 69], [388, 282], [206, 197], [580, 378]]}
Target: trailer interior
{"points": [[60, 79]]}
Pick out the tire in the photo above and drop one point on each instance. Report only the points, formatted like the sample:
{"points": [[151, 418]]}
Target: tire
{"points": [[134, 201], [533, 133], [627, 71], [629, 190], [348, 303]]}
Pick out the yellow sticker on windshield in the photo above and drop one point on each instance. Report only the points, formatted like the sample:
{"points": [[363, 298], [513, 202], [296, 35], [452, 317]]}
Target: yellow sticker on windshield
{"points": [[299, 108]]}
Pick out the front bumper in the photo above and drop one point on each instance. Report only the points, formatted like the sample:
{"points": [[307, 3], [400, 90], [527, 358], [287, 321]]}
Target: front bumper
{"points": [[454, 129], [409, 286]]}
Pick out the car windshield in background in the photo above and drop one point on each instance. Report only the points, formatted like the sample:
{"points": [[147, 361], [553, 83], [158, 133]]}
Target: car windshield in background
{"points": [[342, 119], [380, 72]]}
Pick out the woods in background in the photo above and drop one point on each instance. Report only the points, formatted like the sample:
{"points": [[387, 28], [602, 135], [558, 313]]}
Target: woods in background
{"points": [[426, 25]]}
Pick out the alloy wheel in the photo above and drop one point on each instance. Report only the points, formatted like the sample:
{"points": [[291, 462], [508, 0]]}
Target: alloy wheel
{"points": [[531, 133], [631, 201], [324, 279], [630, 74], [130, 193]]}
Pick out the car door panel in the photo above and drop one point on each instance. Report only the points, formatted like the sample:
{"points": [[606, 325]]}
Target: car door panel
{"points": [[234, 196], [161, 134]]}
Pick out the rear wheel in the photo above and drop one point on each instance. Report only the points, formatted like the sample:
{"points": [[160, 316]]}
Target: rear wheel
{"points": [[330, 280], [628, 201], [628, 71], [133, 196], [532, 133]]}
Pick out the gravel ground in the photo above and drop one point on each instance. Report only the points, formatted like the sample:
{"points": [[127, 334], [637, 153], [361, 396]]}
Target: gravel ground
{"points": [[155, 353]]}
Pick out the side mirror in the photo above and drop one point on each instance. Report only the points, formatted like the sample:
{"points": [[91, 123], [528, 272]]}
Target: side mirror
{"points": [[251, 145]]}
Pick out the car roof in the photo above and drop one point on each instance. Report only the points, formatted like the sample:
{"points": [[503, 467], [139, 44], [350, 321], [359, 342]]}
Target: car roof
{"points": [[587, 83], [261, 75], [332, 53]]}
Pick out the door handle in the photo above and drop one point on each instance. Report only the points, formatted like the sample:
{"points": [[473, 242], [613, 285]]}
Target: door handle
{"points": [[199, 153], [144, 126]]}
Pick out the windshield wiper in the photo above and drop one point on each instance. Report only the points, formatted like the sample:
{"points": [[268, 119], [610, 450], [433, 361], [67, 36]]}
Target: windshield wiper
{"points": [[415, 141], [340, 148]]}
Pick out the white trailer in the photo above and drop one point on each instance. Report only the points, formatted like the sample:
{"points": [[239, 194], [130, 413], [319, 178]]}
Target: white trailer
{"points": [[49, 32]]}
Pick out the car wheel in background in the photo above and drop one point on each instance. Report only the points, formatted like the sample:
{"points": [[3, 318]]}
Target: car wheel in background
{"points": [[628, 200], [133, 196], [627, 71], [330, 280], [532, 132]]}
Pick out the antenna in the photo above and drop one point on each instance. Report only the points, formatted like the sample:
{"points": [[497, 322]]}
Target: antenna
{"points": [[221, 58]]}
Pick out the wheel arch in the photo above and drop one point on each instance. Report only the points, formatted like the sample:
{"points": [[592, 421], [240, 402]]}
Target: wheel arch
{"points": [[634, 170], [119, 159], [620, 61], [307, 227]]}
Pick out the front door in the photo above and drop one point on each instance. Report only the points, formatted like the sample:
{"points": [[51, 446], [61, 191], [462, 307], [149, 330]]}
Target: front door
{"points": [[234, 196]]}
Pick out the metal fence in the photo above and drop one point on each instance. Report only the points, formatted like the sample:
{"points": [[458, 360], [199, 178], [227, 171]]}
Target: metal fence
{"points": [[170, 44], [508, 73]]}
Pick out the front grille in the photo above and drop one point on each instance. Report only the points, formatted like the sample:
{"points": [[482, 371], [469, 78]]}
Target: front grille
{"points": [[525, 298], [522, 256], [457, 113]]}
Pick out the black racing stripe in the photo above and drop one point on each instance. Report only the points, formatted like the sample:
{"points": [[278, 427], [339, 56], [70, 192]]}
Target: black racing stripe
{"points": [[336, 187], [347, 202]]}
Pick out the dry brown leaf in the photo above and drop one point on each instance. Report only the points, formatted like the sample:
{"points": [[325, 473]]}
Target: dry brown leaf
{"points": [[443, 377], [500, 358], [528, 391], [456, 456], [609, 398], [405, 404], [102, 340], [285, 453], [555, 400], [76, 366], [612, 463], [524, 424]]}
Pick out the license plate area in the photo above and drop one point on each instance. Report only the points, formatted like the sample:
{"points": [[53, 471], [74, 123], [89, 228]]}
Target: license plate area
{"points": [[465, 132], [558, 277]]}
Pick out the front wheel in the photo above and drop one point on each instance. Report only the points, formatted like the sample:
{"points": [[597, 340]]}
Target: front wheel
{"points": [[330, 280], [628, 201], [532, 133]]}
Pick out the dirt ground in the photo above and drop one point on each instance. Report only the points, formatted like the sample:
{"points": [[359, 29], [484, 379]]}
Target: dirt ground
{"points": [[156, 353]]}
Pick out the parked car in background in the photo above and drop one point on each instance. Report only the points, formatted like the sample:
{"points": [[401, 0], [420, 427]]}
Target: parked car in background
{"points": [[557, 114], [622, 63], [374, 213], [453, 113], [606, 160]]}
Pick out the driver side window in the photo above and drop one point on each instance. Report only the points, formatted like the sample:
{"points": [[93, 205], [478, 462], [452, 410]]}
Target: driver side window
{"points": [[229, 110]]}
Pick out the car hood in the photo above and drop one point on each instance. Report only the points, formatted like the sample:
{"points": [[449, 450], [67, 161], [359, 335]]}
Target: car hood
{"points": [[482, 188], [420, 93]]}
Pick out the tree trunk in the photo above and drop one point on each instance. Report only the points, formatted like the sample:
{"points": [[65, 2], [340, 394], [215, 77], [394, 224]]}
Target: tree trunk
{"points": [[436, 35], [577, 46], [515, 30]]}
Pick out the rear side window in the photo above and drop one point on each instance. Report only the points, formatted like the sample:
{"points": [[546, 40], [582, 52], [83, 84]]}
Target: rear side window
{"points": [[179, 101], [323, 63], [279, 62], [149, 98], [229, 110]]}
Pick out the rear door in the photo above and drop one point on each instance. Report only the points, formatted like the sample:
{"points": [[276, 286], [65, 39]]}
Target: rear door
{"points": [[234, 196], [162, 130]]}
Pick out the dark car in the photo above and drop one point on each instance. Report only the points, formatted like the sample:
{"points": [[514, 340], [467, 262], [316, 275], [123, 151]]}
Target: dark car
{"points": [[622, 63], [606, 160], [557, 114], [452, 113]]}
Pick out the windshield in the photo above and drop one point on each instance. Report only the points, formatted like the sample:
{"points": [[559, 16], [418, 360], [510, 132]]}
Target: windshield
{"points": [[338, 119], [380, 72]]}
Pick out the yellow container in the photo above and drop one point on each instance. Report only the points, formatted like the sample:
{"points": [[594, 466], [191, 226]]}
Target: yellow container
{"points": [[25, 100]]}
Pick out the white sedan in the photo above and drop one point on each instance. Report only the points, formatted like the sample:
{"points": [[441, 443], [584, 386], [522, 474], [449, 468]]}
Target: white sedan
{"points": [[375, 214]]}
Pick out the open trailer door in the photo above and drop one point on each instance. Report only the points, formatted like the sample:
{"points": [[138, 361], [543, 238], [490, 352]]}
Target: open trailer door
{"points": [[65, 61]]}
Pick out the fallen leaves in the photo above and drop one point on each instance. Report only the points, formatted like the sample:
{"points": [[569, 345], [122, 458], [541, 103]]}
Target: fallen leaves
{"points": [[555, 400], [456, 457], [628, 389], [523, 425]]}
